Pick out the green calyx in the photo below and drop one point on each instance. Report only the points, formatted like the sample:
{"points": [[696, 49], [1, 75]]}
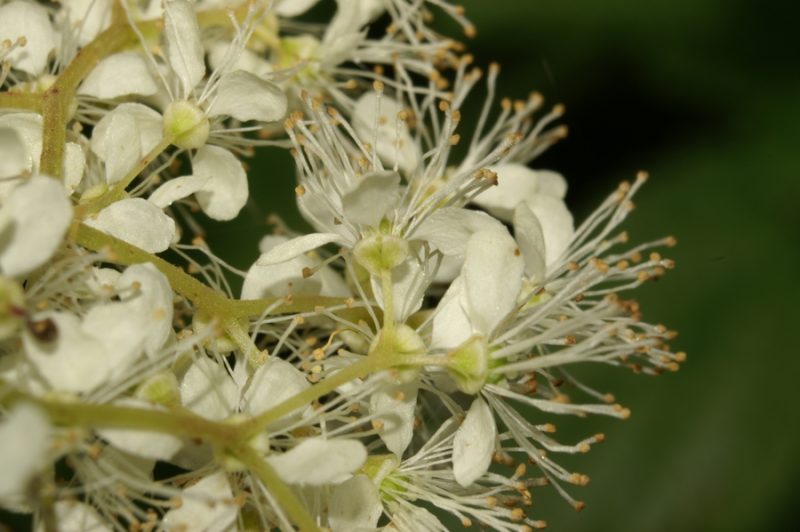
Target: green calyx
{"points": [[468, 364], [381, 252], [186, 124], [161, 389], [397, 343]]}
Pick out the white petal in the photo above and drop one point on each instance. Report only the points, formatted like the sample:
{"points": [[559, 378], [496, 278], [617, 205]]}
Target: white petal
{"points": [[245, 96], [395, 406], [292, 8], [528, 233], [375, 195], [24, 442], [449, 229], [271, 384], [89, 17], [225, 192], [176, 189], [74, 165], [74, 516], [152, 301], [28, 127], [493, 271], [474, 443], [219, 58], [138, 222], [451, 324], [411, 518], [322, 212], [124, 135], [118, 331], [354, 504], [183, 46], [281, 279], [29, 20], [208, 390], [141, 322], [515, 183], [295, 247], [207, 506], [13, 153], [391, 139], [119, 75], [119, 153], [316, 461], [557, 225], [409, 280], [147, 444], [75, 361], [40, 213]]}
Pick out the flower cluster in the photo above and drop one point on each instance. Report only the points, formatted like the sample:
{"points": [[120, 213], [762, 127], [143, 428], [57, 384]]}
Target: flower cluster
{"points": [[396, 368]]}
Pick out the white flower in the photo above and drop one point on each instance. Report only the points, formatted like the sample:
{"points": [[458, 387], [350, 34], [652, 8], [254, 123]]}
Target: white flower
{"points": [[86, 353]]}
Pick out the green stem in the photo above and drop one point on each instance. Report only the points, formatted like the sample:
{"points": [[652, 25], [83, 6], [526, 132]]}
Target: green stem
{"points": [[277, 488], [245, 344], [213, 302], [27, 101], [387, 291], [178, 423], [54, 133]]}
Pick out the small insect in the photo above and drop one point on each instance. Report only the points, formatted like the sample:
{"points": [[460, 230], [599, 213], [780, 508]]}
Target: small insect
{"points": [[44, 330]]}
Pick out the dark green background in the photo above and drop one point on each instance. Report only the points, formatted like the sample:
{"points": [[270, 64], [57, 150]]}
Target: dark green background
{"points": [[706, 96]]}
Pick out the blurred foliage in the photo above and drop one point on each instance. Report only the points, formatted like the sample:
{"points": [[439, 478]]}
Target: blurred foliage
{"points": [[706, 96]]}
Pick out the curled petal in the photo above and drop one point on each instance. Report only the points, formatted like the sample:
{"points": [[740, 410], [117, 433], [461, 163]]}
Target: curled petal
{"points": [[474, 443], [225, 192], [183, 45]]}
